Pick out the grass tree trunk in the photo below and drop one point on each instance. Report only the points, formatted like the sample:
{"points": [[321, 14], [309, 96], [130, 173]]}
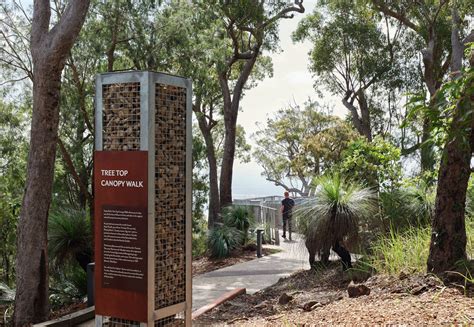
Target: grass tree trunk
{"points": [[49, 49]]}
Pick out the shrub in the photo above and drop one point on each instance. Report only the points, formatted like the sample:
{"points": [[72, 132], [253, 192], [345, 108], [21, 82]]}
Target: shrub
{"points": [[199, 244], [375, 163], [68, 286], [412, 206], [222, 240]]}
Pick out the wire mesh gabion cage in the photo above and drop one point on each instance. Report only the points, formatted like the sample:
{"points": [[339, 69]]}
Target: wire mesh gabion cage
{"points": [[148, 111]]}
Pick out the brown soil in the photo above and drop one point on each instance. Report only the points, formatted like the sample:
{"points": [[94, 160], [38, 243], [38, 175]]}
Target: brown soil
{"points": [[204, 264], [320, 298]]}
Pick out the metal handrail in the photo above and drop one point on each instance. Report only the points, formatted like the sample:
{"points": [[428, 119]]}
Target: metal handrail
{"points": [[269, 216]]}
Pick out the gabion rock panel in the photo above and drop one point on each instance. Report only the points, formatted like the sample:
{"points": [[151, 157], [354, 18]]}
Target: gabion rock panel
{"points": [[121, 117], [164, 322], [170, 199]]}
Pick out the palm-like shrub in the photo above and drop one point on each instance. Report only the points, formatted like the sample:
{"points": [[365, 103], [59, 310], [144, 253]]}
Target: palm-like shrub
{"points": [[69, 237], [408, 207], [240, 218], [222, 240], [333, 213]]}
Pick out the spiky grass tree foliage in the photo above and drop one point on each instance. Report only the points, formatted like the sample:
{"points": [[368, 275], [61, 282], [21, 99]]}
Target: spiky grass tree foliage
{"points": [[332, 214], [222, 240], [421, 204], [408, 207], [69, 237]]}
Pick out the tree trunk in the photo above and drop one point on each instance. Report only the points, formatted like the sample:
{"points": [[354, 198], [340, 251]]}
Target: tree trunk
{"points": [[427, 155], [448, 232], [31, 302], [361, 124], [227, 167], [49, 49], [214, 206], [366, 129]]}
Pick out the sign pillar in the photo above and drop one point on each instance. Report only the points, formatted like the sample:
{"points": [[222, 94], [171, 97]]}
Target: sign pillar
{"points": [[142, 192]]}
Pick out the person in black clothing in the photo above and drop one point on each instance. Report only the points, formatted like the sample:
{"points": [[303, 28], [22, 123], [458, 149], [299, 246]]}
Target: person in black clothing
{"points": [[287, 205]]}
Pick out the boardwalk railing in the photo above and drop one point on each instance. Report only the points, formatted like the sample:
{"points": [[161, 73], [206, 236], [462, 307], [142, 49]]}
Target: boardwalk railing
{"points": [[267, 215]]}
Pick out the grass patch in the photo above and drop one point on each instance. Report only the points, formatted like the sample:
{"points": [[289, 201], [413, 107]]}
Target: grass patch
{"points": [[406, 251], [470, 237]]}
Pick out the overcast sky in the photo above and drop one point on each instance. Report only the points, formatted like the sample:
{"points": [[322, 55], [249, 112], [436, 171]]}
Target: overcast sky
{"points": [[291, 82]]}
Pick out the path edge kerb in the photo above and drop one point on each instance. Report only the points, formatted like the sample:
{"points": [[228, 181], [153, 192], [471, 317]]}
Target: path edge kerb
{"points": [[223, 298]]}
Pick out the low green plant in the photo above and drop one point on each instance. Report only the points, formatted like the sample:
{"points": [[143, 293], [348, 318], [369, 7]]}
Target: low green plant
{"points": [[68, 286], [470, 236], [199, 244], [410, 206], [406, 251], [222, 240], [7, 294]]}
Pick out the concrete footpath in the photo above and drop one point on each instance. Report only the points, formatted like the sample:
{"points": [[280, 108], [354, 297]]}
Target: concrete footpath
{"points": [[253, 275]]}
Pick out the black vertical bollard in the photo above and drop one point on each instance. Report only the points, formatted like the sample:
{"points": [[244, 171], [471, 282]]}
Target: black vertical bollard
{"points": [[90, 284], [259, 242]]}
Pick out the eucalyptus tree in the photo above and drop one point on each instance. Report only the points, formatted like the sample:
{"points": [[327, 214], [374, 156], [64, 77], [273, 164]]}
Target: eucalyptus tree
{"points": [[296, 145], [250, 27], [448, 236], [49, 50], [219, 45], [351, 56], [431, 22], [444, 27]]}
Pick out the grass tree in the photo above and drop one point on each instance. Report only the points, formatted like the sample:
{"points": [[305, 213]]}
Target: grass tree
{"points": [[332, 215], [69, 238]]}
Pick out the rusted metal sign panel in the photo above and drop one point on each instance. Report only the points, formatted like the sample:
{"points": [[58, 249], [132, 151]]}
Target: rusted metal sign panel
{"points": [[121, 220]]}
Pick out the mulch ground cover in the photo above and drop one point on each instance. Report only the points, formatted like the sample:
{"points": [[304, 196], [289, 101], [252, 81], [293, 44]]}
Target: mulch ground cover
{"points": [[314, 298]]}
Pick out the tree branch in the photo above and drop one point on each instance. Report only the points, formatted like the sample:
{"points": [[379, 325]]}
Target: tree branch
{"points": [[72, 170], [65, 32], [381, 6], [40, 22]]}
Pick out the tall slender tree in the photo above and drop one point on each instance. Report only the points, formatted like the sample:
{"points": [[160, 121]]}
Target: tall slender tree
{"points": [[251, 27], [49, 50]]}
